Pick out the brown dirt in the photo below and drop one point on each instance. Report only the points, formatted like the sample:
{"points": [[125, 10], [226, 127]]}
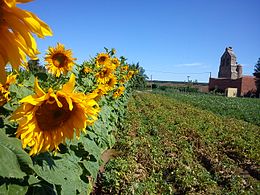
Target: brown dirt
{"points": [[106, 156]]}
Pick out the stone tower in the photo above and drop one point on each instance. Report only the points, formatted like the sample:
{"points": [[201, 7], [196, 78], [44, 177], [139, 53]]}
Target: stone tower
{"points": [[228, 65]]}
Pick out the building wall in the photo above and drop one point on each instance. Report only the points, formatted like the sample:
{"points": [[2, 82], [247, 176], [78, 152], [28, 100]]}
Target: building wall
{"points": [[244, 84], [248, 84], [222, 84]]}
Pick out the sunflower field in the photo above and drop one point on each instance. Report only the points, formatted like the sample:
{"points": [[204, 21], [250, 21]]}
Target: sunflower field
{"points": [[55, 120]]}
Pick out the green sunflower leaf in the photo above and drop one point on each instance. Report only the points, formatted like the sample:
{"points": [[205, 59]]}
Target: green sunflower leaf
{"points": [[29, 82], [20, 91], [63, 172], [91, 147], [33, 180], [13, 189], [92, 168], [13, 159]]}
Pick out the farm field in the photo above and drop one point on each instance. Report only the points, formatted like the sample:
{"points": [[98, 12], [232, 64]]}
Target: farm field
{"points": [[171, 147], [247, 109]]}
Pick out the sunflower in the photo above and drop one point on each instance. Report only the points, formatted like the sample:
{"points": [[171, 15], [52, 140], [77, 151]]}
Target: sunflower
{"points": [[112, 81], [16, 29], [59, 60], [119, 92], [130, 75], [101, 90], [115, 61], [4, 95], [124, 68], [103, 75], [4, 89], [103, 59], [136, 72], [47, 119], [122, 79], [87, 70]]}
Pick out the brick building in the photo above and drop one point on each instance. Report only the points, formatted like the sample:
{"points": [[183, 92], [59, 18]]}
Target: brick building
{"points": [[230, 76]]}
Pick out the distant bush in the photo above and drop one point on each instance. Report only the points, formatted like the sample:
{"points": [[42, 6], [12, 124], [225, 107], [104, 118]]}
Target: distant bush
{"points": [[179, 89], [188, 89], [217, 91], [163, 87], [155, 86]]}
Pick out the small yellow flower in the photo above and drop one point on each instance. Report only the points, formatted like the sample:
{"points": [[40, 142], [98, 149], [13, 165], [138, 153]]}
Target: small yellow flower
{"points": [[129, 75], [119, 92], [87, 70], [102, 59], [47, 119], [136, 72], [112, 81], [59, 60], [124, 68], [17, 41], [122, 79], [101, 90]]}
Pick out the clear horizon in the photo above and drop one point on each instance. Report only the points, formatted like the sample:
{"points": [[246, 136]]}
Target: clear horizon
{"points": [[170, 39]]}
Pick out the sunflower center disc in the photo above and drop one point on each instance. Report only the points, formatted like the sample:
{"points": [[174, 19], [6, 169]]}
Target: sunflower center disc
{"points": [[59, 60], [49, 116], [102, 59]]}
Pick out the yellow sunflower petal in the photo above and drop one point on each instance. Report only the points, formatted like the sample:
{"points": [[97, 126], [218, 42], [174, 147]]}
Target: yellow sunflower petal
{"points": [[15, 54], [17, 27], [21, 111], [2, 70], [69, 86], [33, 99], [38, 90], [56, 99], [11, 79], [33, 23], [23, 1], [69, 101], [22, 34], [10, 3]]}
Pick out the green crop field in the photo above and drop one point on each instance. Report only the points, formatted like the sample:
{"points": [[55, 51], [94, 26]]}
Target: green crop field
{"points": [[170, 145], [247, 109]]}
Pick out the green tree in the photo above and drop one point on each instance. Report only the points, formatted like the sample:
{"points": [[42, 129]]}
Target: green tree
{"points": [[257, 77], [35, 67], [257, 66], [140, 78]]}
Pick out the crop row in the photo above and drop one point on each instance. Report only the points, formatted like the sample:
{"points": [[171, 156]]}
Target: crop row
{"points": [[170, 147]]}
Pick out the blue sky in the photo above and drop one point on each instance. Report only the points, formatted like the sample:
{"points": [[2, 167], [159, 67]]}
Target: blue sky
{"points": [[171, 39]]}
